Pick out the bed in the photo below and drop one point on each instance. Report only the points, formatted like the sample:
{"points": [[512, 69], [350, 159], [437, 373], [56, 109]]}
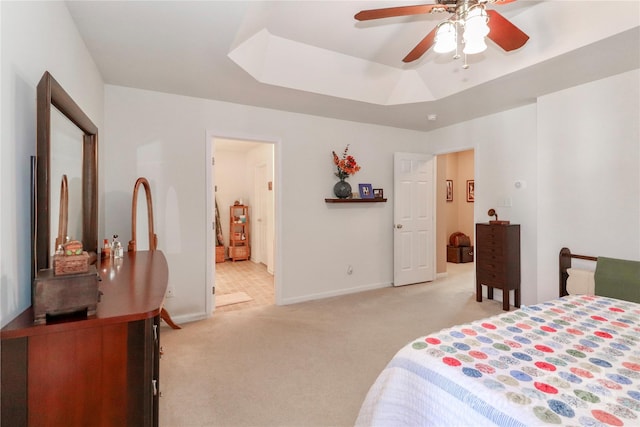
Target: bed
{"points": [[574, 360]]}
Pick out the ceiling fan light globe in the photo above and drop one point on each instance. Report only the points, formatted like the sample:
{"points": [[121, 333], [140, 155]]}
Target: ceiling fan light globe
{"points": [[446, 39], [445, 45], [474, 46], [475, 22]]}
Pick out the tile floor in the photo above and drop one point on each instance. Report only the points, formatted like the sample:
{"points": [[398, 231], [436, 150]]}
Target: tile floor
{"points": [[244, 276]]}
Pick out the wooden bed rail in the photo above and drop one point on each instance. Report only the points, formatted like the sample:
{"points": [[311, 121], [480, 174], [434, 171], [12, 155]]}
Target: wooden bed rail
{"points": [[565, 264]]}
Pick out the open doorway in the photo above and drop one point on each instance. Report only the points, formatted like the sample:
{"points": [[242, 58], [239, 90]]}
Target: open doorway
{"points": [[455, 209], [241, 189]]}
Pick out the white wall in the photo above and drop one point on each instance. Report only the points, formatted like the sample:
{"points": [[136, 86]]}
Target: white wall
{"points": [[36, 37], [588, 163], [578, 153], [316, 241], [505, 151]]}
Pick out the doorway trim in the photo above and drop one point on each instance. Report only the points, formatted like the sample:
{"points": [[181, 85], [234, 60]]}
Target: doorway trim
{"points": [[209, 284]]}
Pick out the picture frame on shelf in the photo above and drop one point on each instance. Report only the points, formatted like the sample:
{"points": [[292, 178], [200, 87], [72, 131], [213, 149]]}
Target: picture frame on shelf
{"points": [[378, 193], [471, 191], [366, 191], [449, 190]]}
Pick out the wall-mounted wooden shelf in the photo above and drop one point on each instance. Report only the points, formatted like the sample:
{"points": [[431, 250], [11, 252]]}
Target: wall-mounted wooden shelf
{"points": [[355, 200]]}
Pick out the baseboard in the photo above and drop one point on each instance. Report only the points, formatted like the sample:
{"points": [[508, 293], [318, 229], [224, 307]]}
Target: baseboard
{"points": [[321, 295], [194, 317], [187, 318]]}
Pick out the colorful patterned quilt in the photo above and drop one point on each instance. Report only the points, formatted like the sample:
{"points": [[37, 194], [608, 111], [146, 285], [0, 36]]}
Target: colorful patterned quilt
{"points": [[572, 361]]}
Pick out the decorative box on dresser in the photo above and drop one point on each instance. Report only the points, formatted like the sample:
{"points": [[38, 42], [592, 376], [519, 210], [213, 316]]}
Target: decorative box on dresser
{"points": [[498, 261], [101, 370]]}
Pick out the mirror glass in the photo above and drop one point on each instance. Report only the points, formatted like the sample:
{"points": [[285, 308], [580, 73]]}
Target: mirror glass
{"points": [[65, 159]]}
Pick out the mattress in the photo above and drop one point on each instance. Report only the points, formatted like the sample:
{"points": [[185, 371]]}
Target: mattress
{"points": [[570, 361]]}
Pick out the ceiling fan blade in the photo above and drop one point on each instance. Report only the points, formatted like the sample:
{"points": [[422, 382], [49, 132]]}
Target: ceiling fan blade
{"points": [[504, 33], [499, 2], [421, 47], [366, 15]]}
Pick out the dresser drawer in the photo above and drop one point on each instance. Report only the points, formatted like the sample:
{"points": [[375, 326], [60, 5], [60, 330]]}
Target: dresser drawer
{"points": [[488, 233], [490, 252], [495, 279], [492, 266]]}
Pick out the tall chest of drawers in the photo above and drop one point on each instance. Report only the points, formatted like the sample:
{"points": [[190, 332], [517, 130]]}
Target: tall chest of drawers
{"points": [[498, 261]]}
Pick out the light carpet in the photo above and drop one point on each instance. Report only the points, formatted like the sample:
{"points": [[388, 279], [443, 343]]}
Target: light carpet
{"points": [[233, 298], [307, 364]]}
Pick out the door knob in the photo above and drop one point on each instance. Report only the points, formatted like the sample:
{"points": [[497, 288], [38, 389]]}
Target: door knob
{"points": [[398, 225]]}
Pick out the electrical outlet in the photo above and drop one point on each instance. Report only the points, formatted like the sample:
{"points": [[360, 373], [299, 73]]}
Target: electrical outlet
{"points": [[171, 292]]}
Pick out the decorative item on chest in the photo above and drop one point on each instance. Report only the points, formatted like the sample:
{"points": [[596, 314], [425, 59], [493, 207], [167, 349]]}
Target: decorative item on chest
{"points": [[70, 258], [492, 212], [71, 287], [117, 249]]}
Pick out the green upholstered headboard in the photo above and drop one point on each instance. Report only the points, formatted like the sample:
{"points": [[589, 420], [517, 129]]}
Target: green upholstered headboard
{"points": [[618, 278]]}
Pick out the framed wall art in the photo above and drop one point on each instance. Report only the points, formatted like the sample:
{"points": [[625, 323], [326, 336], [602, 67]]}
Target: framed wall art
{"points": [[471, 191], [449, 190]]}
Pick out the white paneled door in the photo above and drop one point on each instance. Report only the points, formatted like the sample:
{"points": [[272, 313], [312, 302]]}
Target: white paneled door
{"points": [[414, 255]]}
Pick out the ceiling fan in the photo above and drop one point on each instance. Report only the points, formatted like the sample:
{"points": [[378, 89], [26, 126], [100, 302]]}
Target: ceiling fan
{"points": [[470, 17]]}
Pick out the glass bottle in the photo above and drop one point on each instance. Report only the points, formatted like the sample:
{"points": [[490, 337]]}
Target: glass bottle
{"points": [[116, 247], [106, 249]]}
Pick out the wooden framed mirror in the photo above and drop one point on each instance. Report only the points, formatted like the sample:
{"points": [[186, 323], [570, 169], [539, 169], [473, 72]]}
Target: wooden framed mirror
{"points": [[138, 208], [51, 100]]}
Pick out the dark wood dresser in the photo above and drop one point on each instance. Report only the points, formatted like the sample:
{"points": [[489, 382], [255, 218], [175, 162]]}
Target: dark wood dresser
{"points": [[102, 370], [498, 261]]}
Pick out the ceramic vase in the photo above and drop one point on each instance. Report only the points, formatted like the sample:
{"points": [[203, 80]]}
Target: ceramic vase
{"points": [[342, 189]]}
